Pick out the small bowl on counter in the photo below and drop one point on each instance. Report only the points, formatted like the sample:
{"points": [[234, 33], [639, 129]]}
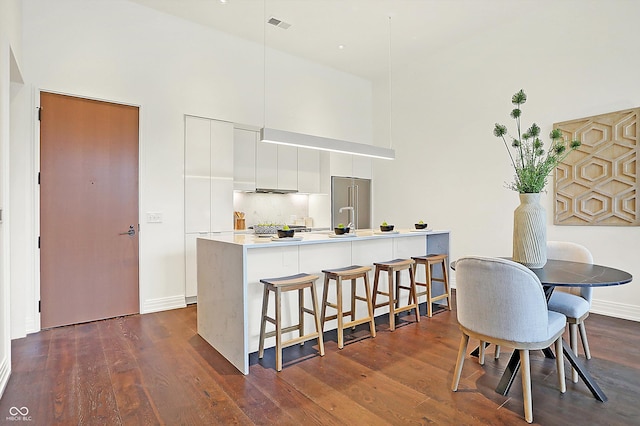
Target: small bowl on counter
{"points": [[341, 231], [421, 226], [285, 233], [386, 228]]}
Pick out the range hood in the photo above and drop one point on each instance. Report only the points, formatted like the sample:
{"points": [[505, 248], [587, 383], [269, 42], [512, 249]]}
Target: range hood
{"points": [[275, 191]]}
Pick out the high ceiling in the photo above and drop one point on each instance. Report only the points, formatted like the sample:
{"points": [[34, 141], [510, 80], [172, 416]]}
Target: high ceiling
{"points": [[370, 31]]}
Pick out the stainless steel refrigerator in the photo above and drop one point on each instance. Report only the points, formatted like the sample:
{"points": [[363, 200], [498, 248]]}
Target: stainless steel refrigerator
{"points": [[351, 202]]}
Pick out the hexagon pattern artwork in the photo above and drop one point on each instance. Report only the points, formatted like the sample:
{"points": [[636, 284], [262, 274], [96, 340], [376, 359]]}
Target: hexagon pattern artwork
{"points": [[598, 183]]}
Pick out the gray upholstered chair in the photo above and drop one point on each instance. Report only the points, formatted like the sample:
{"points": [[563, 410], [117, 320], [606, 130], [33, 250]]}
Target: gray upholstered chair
{"points": [[502, 302], [574, 302]]}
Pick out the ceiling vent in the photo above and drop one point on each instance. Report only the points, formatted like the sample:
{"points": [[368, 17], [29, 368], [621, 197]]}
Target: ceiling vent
{"points": [[278, 23]]}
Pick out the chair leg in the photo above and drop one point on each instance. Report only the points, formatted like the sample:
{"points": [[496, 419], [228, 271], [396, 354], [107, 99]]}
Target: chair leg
{"points": [[560, 365], [526, 385], [573, 339], [464, 341], [585, 343], [483, 345], [496, 354]]}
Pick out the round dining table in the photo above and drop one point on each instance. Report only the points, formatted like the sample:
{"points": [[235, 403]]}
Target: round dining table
{"points": [[562, 273]]}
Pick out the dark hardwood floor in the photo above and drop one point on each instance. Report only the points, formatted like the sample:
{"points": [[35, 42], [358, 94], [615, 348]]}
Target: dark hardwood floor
{"points": [[155, 369]]}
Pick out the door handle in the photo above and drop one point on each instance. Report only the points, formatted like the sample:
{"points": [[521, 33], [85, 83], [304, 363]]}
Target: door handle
{"points": [[131, 232]]}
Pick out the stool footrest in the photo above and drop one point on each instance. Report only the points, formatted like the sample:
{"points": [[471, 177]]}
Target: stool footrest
{"points": [[284, 330], [357, 322], [300, 339]]}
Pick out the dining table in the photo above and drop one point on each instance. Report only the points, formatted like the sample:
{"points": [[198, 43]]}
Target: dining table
{"points": [[562, 273]]}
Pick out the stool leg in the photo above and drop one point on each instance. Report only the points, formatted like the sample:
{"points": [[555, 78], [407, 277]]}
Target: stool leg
{"points": [[411, 295], [392, 310], [372, 324], [316, 318], [353, 302], [340, 317], [396, 296], [325, 295], [278, 329], [301, 313], [429, 271], [412, 290], [446, 283], [263, 324], [376, 279]]}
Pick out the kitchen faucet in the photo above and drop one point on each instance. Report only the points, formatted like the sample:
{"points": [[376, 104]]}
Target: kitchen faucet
{"points": [[349, 215]]}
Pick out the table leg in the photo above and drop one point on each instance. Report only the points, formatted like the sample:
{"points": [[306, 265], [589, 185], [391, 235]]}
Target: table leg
{"points": [[584, 374], [511, 372]]}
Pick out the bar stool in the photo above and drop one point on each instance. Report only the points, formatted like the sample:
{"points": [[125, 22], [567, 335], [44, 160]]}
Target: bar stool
{"points": [[349, 273], [396, 266], [278, 286], [429, 261]]}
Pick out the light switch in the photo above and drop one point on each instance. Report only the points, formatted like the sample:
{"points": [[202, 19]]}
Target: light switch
{"points": [[154, 217]]}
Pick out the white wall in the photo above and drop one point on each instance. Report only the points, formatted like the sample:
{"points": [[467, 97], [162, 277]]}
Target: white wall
{"points": [[573, 59], [10, 54], [119, 51]]}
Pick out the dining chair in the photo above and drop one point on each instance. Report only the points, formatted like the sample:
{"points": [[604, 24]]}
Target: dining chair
{"points": [[503, 302], [573, 302]]}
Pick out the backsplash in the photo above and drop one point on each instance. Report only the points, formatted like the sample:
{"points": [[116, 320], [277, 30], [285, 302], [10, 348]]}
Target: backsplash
{"points": [[271, 208]]}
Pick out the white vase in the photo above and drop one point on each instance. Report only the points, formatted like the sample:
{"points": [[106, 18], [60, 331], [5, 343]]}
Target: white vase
{"points": [[530, 232]]}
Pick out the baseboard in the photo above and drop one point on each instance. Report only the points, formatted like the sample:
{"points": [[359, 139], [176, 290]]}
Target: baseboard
{"points": [[5, 373], [163, 304], [191, 300], [617, 310]]}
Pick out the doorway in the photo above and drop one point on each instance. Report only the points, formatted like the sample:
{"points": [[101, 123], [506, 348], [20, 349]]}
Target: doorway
{"points": [[88, 210]]}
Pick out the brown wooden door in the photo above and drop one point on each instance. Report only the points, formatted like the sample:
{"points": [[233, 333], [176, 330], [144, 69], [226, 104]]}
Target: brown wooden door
{"points": [[88, 199]]}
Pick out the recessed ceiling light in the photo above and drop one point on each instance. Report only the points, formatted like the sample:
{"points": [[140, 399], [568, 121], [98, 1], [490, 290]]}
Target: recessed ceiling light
{"points": [[341, 46]]}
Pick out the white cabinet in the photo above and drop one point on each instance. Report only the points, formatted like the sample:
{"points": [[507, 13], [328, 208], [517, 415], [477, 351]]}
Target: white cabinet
{"points": [[208, 185], [276, 166], [348, 165], [266, 165], [308, 170], [244, 159], [287, 167]]}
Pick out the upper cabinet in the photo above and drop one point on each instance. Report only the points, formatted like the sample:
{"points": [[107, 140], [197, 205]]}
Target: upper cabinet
{"points": [[208, 177], [276, 167], [308, 170], [348, 165], [244, 159]]}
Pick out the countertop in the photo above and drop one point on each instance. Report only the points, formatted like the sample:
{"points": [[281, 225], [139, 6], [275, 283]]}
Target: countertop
{"points": [[302, 238]]}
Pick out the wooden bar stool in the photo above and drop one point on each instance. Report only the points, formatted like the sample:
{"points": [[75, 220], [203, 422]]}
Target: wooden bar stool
{"points": [[349, 273], [429, 261], [278, 286], [396, 266]]}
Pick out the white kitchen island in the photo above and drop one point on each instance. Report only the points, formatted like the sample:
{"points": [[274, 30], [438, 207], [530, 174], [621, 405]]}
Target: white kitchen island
{"points": [[230, 268]]}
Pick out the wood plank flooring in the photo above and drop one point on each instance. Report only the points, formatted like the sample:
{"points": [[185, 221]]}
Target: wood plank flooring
{"points": [[155, 369]]}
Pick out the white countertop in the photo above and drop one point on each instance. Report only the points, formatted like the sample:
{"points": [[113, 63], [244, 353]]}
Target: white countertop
{"points": [[301, 238]]}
